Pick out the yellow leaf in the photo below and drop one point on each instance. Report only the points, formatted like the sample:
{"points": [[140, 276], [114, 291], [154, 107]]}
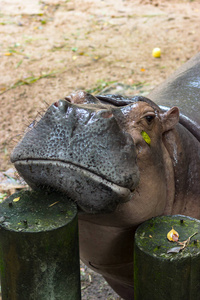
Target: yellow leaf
{"points": [[146, 137], [173, 235], [16, 199], [74, 57], [142, 70], [81, 53], [8, 53]]}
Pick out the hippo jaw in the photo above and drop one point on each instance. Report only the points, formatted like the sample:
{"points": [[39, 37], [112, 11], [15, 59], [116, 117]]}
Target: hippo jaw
{"points": [[91, 192]]}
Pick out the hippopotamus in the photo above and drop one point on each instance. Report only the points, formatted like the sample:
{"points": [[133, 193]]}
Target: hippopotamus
{"points": [[123, 160]]}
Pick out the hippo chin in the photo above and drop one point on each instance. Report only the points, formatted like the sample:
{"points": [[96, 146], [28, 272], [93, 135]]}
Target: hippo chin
{"points": [[122, 160]]}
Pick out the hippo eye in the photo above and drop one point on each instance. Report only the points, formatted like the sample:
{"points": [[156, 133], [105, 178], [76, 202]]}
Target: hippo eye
{"points": [[149, 118]]}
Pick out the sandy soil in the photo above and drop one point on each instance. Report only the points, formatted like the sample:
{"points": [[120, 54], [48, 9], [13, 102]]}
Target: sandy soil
{"points": [[50, 48]]}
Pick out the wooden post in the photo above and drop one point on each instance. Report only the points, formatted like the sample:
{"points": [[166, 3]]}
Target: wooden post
{"points": [[167, 276], [39, 254]]}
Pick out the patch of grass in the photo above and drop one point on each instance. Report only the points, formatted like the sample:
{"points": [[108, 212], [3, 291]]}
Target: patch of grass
{"points": [[100, 86], [6, 23], [74, 49], [19, 63], [30, 80], [17, 49], [152, 15], [2, 197], [58, 48]]}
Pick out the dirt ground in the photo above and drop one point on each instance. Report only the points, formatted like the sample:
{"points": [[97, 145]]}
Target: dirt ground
{"points": [[50, 48]]}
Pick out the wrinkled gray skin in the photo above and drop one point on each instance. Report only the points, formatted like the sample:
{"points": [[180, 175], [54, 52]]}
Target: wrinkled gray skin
{"points": [[92, 149]]}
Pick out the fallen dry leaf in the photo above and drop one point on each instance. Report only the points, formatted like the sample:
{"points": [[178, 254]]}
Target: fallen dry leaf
{"points": [[173, 235]]}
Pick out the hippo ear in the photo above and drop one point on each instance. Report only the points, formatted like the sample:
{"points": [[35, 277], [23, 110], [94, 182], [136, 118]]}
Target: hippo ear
{"points": [[170, 118]]}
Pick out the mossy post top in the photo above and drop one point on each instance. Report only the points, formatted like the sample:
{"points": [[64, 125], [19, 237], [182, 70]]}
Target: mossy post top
{"points": [[151, 236], [31, 211]]}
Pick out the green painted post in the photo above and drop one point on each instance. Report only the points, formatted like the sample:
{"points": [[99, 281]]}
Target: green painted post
{"points": [[167, 276], [39, 254]]}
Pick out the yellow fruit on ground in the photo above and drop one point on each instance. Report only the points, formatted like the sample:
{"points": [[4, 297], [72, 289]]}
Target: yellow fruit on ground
{"points": [[156, 52]]}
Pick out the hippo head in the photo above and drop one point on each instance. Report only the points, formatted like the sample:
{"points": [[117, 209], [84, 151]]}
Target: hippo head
{"points": [[100, 151]]}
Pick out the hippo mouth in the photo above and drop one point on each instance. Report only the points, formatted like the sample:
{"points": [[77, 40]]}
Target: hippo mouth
{"points": [[92, 193]]}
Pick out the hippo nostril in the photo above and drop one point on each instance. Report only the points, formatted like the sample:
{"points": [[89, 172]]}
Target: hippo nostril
{"points": [[107, 114], [62, 105], [68, 99], [56, 104]]}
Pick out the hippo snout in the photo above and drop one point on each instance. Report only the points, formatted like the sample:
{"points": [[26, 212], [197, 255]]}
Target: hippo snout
{"points": [[80, 149]]}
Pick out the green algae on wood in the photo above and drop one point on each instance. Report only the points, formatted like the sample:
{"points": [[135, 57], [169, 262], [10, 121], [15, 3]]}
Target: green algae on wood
{"points": [[159, 275], [39, 254]]}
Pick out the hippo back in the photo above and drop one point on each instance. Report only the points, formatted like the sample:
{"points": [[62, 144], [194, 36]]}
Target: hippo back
{"points": [[182, 89]]}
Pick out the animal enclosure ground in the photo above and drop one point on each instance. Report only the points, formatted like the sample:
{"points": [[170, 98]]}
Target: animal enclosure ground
{"points": [[50, 48]]}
